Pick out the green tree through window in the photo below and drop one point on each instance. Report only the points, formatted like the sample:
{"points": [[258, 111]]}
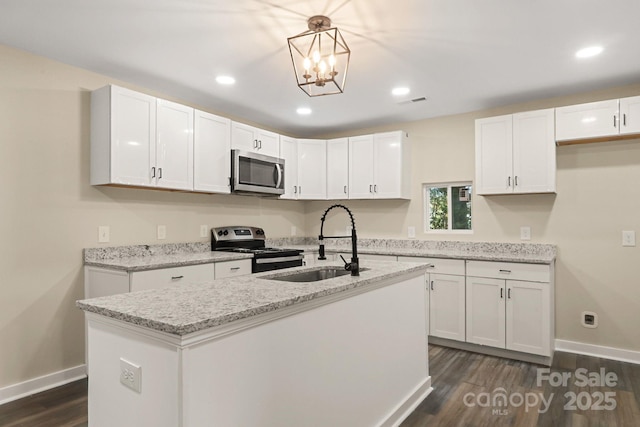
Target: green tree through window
{"points": [[448, 207]]}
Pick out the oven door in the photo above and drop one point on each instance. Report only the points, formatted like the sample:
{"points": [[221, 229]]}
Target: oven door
{"points": [[256, 173], [275, 263]]}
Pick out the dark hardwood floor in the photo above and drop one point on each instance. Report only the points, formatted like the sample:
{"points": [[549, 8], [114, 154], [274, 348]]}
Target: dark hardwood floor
{"points": [[461, 379]]}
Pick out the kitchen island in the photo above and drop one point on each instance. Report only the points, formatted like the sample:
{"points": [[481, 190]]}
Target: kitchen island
{"points": [[255, 350]]}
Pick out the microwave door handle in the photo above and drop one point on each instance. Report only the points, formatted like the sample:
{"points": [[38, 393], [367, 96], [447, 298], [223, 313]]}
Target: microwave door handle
{"points": [[279, 175]]}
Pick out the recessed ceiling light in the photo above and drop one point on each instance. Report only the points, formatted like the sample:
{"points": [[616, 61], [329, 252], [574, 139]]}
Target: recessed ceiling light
{"points": [[225, 80], [588, 52], [303, 111], [399, 91]]}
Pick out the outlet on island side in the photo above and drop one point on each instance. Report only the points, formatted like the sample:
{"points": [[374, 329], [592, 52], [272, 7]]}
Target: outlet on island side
{"points": [[130, 375]]}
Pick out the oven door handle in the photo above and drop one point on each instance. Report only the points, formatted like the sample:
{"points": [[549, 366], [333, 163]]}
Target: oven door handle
{"points": [[278, 259], [278, 175]]}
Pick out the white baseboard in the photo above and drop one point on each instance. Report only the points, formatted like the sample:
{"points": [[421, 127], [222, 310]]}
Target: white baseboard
{"points": [[620, 354], [45, 382]]}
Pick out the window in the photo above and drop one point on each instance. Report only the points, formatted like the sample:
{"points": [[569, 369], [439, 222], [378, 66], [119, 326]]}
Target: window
{"points": [[447, 207]]}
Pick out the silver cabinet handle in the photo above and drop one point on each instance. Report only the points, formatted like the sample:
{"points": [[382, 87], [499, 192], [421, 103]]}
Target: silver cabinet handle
{"points": [[509, 182], [375, 188], [295, 189], [234, 268], [255, 143], [370, 188], [432, 285], [624, 119], [515, 180], [345, 189], [260, 144], [431, 266], [176, 277], [153, 172], [614, 121], [505, 271], [509, 293], [501, 293]]}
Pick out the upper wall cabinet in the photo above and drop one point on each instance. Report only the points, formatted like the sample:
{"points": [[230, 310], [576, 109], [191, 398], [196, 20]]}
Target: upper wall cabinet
{"points": [[338, 168], [515, 154], [212, 153], [249, 138], [380, 166], [140, 140], [598, 120], [305, 168]]}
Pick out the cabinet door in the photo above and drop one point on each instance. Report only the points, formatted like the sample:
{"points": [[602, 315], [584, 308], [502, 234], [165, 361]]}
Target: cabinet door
{"points": [[584, 121], [486, 311], [243, 137], [133, 137], [338, 168], [534, 152], [528, 317], [630, 115], [361, 167], [289, 152], [175, 146], [157, 279], [211, 153], [446, 306], [268, 142], [387, 165], [494, 157], [312, 169]]}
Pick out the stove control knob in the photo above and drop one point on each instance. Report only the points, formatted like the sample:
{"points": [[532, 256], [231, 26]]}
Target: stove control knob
{"points": [[220, 233], [226, 232], [259, 231]]}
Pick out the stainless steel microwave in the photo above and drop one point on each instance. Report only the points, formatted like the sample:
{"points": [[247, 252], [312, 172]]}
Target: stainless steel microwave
{"points": [[254, 173]]}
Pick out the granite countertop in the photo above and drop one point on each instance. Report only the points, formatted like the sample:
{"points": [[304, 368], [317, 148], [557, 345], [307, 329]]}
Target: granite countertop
{"points": [[146, 257], [185, 309]]}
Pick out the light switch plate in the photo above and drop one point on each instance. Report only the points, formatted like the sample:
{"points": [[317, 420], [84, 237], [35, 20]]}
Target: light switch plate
{"points": [[525, 233], [103, 234], [204, 230], [628, 238], [162, 232], [411, 232]]}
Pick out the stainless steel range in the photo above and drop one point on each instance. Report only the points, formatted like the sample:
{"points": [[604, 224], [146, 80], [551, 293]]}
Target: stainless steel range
{"points": [[252, 240]]}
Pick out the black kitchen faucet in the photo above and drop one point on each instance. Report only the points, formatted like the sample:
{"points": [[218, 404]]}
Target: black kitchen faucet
{"points": [[352, 266]]}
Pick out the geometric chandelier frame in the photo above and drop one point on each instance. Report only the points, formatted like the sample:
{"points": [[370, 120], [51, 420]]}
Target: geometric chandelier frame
{"points": [[320, 58]]}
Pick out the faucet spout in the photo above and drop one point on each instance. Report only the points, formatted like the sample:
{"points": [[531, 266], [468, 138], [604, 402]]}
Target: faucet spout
{"points": [[353, 266]]}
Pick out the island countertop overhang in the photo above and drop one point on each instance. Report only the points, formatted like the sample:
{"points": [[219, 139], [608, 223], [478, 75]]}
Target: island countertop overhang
{"points": [[186, 309]]}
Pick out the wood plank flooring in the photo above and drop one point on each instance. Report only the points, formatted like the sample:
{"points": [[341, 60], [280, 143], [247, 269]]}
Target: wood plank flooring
{"points": [[458, 377]]}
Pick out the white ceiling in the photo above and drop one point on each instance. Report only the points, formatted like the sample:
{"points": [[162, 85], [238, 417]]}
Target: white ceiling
{"points": [[463, 55]]}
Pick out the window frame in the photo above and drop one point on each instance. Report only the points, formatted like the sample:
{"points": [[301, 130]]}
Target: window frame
{"points": [[426, 206]]}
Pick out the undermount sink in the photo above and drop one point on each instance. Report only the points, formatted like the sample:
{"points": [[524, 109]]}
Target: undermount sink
{"points": [[314, 275]]}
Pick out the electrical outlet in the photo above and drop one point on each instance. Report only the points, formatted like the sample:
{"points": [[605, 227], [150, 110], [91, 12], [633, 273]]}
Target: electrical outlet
{"points": [[294, 230], [162, 232], [525, 233], [204, 230], [130, 375], [411, 232], [103, 234], [628, 238]]}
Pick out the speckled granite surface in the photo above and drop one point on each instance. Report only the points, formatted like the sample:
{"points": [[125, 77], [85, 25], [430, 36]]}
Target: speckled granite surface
{"points": [[534, 253], [184, 309], [150, 257]]}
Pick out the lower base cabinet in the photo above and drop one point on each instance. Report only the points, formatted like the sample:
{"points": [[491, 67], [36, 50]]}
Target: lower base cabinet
{"points": [[510, 313], [446, 306]]}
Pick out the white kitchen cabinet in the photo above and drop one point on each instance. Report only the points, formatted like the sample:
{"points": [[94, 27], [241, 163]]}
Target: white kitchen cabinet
{"points": [[305, 168], [510, 305], [587, 121], [379, 166], [163, 277], [211, 153], [338, 169], [174, 152], [233, 268], [515, 153], [249, 138], [140, 140], [630, 115], [446, 282]]}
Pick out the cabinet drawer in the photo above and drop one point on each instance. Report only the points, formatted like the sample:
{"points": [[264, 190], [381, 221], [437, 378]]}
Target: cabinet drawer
{"points": [[233, 268], [156, 279], [509, 270], [438, 265]]}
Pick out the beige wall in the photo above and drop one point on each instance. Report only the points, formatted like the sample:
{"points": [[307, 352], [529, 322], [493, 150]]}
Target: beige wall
{"points": [[49, 212]]}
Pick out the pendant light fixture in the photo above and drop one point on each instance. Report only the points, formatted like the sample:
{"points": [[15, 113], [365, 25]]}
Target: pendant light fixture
{"points": [[320, 58]]}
